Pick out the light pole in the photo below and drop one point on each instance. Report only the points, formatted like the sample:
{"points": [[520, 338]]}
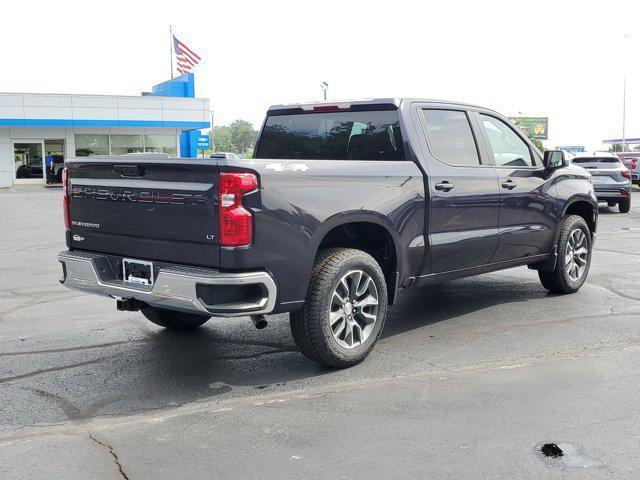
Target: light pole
{"points": [[624, 94], [324, 86]]}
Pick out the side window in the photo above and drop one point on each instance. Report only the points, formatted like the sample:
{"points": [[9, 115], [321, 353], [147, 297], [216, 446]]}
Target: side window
{"points": [[509, 150], [450, 138]]}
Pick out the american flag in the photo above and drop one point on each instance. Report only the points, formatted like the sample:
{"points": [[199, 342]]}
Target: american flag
{"points": [[187, 58]]}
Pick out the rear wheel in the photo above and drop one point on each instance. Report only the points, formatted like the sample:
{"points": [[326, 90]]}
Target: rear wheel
{"points": [[624, 205], [173, 320], [574, 257], [344, 310]]}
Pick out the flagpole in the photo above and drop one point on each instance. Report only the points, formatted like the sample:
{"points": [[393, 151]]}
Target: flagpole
{"points": [[171, 48]]}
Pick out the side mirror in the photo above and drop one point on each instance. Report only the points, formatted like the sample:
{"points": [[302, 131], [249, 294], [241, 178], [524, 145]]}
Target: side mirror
{"points": [[554, 159]]}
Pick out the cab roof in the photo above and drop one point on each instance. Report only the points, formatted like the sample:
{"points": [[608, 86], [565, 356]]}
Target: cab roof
{"points": [[394, 103]]}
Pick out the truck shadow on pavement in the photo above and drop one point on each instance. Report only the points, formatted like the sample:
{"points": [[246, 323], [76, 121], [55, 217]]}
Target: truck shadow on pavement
{"points": [[226, 358], [421, 306]]}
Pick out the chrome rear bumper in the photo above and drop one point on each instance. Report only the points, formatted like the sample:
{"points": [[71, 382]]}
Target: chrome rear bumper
{"points": [[174, 288]]}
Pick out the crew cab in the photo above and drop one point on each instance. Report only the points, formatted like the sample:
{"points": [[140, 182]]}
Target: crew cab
{"points": [[343, 204]]}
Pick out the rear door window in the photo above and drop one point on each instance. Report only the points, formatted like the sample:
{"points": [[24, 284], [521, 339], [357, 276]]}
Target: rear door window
{"points": [[363, 135], [450, 137]]}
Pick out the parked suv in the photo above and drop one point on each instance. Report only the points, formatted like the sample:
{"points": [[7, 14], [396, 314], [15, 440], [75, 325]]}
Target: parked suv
{"points": [[611, 179], [344, 204], [631, 160]]}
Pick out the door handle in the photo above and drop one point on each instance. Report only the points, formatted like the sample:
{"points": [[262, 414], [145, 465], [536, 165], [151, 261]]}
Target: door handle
{"points": [[444, 186], [509, 184]]}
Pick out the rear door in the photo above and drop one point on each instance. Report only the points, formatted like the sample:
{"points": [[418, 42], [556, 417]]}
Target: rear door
{"points": [[528, 206], [463, 229], [160, 210]]}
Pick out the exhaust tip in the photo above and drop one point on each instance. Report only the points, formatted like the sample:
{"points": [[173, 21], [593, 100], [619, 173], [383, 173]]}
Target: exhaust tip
{"points": [[259, 321]]}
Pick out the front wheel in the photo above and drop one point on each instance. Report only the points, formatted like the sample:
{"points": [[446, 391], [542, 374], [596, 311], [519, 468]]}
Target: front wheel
{"points": [[344, 310], [624, 205], [574, 257], [173, 320]]}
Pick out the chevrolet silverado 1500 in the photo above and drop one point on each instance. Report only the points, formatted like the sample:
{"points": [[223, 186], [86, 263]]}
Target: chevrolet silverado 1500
{"points": [[343, 204]]}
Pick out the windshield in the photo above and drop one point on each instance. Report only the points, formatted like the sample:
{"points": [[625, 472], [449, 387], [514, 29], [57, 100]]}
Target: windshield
{"points": [[368, 135]]}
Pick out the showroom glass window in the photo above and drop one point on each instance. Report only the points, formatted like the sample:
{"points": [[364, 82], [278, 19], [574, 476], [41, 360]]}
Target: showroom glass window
{"points": [[91, 144], [450, 138], [161, 143], [509, 150], [123, 144]]}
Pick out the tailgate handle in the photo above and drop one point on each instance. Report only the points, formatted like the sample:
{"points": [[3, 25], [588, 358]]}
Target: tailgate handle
{"points": [[129, 170]]}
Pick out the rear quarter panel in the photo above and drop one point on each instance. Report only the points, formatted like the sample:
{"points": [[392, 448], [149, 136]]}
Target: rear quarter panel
{"points": [[300, 201]]}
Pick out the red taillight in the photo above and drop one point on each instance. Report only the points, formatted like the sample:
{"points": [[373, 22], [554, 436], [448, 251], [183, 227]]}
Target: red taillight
{"points": [[626, 173], [633, 164], [236, 222], [65, 198]]}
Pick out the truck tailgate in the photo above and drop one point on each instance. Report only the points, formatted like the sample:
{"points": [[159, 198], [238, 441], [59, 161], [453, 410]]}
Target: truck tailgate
{"points": [[155, 209]]}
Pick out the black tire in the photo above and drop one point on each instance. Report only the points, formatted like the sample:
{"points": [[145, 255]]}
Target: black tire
{"points": [[310, 326], [559, 281], [173, 320], [624, 205], [612, 203]]}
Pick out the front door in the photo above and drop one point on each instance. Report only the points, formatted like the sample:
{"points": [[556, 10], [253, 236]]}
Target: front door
{"points": [[464, 193], [53, 161], [527, 210]]}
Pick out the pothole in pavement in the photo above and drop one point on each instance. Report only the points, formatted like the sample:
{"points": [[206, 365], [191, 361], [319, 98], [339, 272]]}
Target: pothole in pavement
{"points": [[564, 455]]}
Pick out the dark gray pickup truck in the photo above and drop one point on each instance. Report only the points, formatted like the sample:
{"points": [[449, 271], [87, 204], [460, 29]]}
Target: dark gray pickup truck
{"points": [[343, 205]]}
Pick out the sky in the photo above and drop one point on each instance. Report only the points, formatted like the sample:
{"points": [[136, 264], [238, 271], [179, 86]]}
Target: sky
{"points": [[561, 59]]}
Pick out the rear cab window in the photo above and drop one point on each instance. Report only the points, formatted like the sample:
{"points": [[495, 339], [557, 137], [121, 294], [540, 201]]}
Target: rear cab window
{"points": [[344, 135]]}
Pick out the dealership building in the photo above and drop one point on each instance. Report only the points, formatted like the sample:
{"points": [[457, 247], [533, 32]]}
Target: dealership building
{"points": [[38, 131]]}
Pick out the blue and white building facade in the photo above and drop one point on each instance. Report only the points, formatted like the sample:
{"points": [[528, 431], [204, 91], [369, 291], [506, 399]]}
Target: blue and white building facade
{"points": [[34, 126]]}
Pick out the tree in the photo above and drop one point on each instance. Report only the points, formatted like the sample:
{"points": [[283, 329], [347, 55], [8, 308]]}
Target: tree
{"points": [[243, 136], [221, 139], [615, 147], [239, 137], [538, 144]]}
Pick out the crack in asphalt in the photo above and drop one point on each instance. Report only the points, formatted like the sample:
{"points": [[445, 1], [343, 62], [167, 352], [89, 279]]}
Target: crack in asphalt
{"points": [[112, 453], [616, 252], [53, 369], [70, 410], [407, 356], [613, 290], [74, 349], [541, 323], [33, 303]]}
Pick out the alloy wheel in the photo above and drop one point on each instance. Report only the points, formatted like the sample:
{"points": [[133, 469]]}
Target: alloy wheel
{"points": [[354, 309], [576, 254]]}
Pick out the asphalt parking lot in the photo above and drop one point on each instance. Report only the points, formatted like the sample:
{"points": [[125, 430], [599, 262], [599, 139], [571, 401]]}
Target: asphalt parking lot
{"points": [[469, 378]]}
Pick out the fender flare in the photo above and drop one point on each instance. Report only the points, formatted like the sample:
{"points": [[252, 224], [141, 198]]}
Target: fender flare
{"points": [[362, 216]]}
